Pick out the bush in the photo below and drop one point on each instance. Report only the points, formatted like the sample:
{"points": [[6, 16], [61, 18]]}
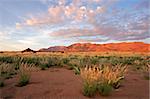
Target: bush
{"points": [[105, 89], [104, 79], [90, 77], [89, 89], [76, 70], [146, 73], [23, 79], [6, 59], [24, 75], [6, 70], [43, 64]]}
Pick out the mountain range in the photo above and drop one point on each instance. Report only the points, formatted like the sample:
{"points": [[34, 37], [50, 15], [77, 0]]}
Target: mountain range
{"points": [[89, 47]]}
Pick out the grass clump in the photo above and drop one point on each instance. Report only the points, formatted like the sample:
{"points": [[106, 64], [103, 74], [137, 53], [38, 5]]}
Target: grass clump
{"points": [[89, 89], [105, 89], [6, 70], [24, 76], [101, 79], [90, 78], [146, 71], [23, 79]]}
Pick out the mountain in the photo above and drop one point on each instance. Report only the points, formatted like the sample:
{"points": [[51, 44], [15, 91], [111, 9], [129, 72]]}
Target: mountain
{"points": [[28, 50], [54, 49], [88, 47]]}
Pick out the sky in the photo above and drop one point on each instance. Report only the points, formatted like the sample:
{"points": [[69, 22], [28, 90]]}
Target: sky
{"points": [[43, 23]]}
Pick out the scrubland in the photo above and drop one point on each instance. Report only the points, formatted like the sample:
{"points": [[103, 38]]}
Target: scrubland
{"points": [[89, 74]]}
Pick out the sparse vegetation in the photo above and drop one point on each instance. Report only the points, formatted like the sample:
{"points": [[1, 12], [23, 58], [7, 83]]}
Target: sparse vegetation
{"points": [[104, 78], [104, 89], [89, 89], [23, 79], [24, 75], [146, 71], [100, 73], [6, 70]]}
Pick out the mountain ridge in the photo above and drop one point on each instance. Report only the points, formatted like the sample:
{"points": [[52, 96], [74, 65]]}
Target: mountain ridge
{"points": [[90, 47]]}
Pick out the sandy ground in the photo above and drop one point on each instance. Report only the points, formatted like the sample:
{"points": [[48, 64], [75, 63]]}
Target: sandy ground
{"points": [[60, 83]]}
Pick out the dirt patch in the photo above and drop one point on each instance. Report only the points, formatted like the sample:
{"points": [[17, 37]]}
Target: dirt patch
{"points": [[60, 83]]}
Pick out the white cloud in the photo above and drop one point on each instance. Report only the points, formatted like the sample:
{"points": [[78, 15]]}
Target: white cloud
{"points": [[18, 26]]}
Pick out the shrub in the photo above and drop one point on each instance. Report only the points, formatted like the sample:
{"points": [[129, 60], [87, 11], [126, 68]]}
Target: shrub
{"points": [[104, 89], [89, 89], [23, 79], [76, 70], [112, 75], [103, 78], [24, 75], [54, 61], [6, 70], [44, 64], [6, 59], [90, 77], [145, 70], [65, 60], [31, 60], [73, 63]]}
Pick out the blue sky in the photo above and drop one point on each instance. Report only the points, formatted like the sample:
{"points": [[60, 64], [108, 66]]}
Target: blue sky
{"points": [[43, 23]]}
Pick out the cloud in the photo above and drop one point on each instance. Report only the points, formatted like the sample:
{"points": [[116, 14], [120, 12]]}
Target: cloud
{"points": [[136, 31], [55, 11], [60, 13], [111, 24], [18, 26], [76, 32]]}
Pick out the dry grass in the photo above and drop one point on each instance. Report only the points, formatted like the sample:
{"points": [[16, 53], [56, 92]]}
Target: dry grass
{"points": [[24, 73], [106, 77]]}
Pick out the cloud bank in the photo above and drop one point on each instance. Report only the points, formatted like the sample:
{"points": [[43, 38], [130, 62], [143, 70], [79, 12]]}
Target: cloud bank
{"points": [[68, 21]]}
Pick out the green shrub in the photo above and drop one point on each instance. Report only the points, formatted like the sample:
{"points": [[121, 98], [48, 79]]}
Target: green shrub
{"points": [[101, 78], [76, 70], [23, 79], [65, 61], [24, 75], [105, 89], [54, 61], [31, 60], [73, 63], [6, 59], [89, 89], [44, 64], [6, 70], [117, 83], [94, 60]]}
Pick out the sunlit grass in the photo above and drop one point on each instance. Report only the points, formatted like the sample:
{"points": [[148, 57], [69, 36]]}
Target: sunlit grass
{"points": [[104, 78]]}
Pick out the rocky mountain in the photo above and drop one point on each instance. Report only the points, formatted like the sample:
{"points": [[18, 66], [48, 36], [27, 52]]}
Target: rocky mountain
{"points": [[88, 47], [54, 49], [28, 50]]}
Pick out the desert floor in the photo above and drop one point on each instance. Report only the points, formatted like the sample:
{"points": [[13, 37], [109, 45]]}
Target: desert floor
{"points": [[61, 83]]}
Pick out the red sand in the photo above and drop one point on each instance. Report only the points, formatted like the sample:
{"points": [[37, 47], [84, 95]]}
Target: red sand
{"points": [[60, 83]]}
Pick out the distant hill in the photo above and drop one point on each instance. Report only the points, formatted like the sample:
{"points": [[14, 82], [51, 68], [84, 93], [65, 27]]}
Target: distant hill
{"points": [[88, 47], [54, 49], [28, 50]]}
